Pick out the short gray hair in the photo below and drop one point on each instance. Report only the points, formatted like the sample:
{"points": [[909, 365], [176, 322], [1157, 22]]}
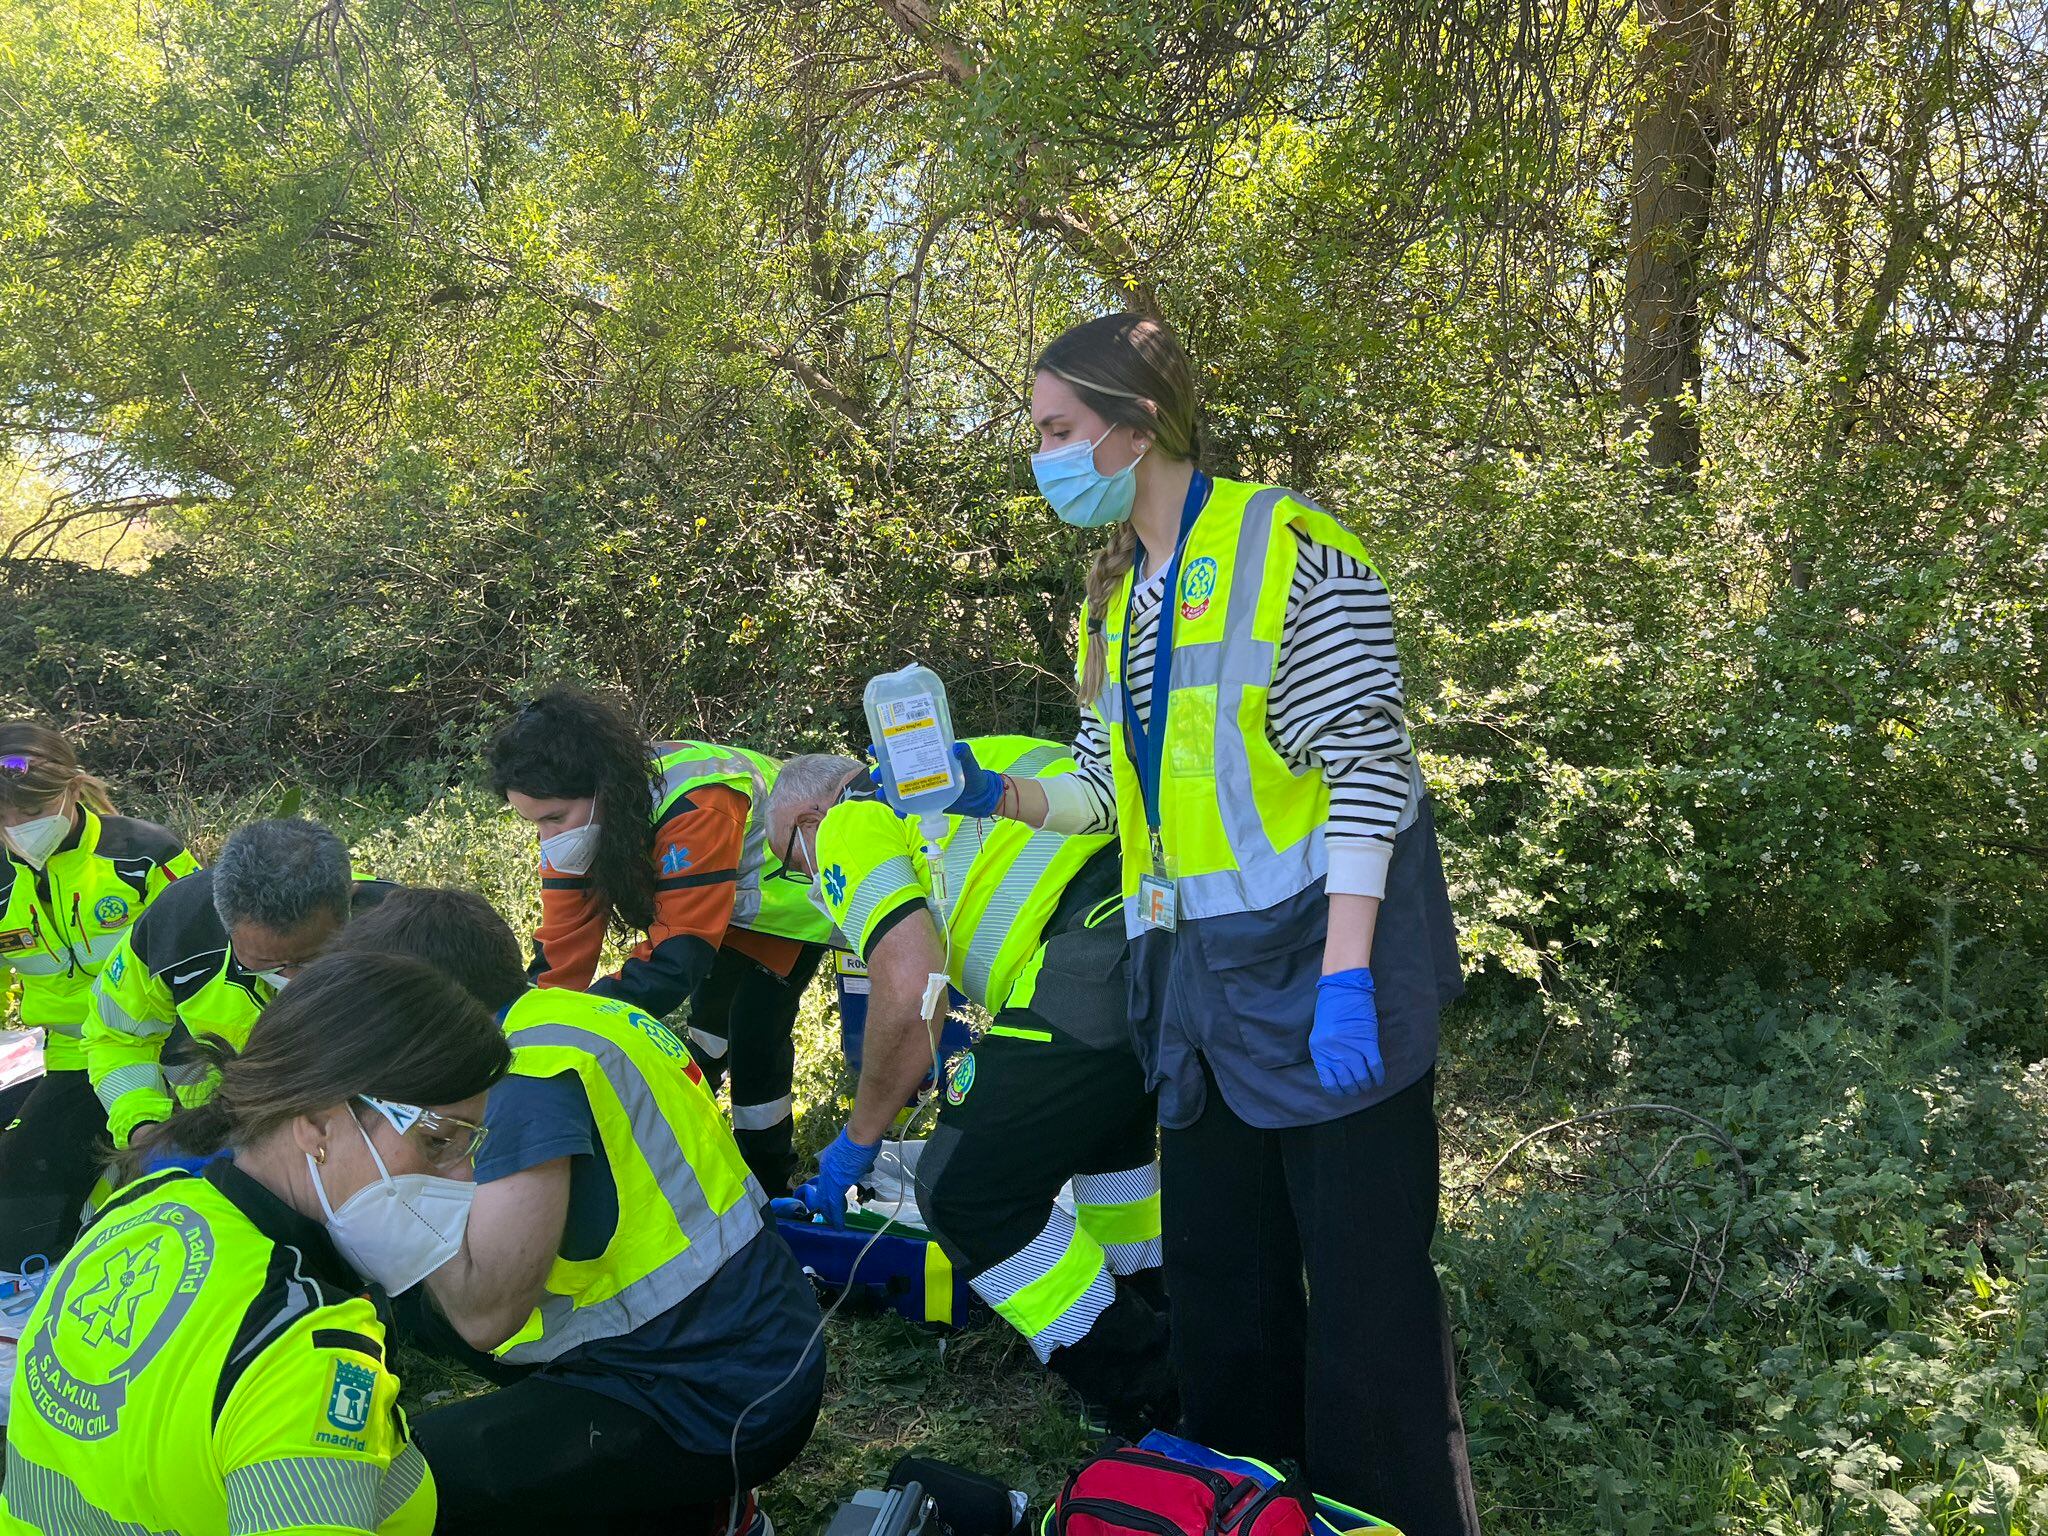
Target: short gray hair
{"points": [[803, 782], [280, 873]]}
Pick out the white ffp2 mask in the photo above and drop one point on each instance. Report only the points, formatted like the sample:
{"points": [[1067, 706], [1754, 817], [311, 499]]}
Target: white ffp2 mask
{"points": [[400, 1229], [572, 852], [36, 840]]}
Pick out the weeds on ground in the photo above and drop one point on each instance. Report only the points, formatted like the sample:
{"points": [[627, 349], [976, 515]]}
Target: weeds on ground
{"points": [[1725, 1256]]}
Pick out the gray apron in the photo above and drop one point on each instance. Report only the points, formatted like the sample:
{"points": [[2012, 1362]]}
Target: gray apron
{"points": [[1239, 992]]}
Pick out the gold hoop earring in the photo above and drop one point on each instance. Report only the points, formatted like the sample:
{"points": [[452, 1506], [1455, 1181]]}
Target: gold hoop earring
{"points": [[320, 1156]]}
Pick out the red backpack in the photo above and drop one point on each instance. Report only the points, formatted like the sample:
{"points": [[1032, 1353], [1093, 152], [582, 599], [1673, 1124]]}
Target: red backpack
{"points": [[1137, 1491]]}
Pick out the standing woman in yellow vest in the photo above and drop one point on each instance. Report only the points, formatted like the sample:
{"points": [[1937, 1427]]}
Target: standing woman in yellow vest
{"points": [[212, 1357], [74, 877], [1244, 733], [664, 838]]}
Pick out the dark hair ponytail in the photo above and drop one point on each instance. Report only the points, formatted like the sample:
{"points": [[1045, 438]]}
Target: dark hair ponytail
{"points": [[348, 1025], [568, 744]]}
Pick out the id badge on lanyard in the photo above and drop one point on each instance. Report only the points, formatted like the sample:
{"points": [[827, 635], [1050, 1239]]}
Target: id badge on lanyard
{"points": [[1158, 900]]}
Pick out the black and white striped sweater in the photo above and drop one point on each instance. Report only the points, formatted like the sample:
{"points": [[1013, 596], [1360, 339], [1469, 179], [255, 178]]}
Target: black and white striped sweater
{"points": [[1336, 702]]}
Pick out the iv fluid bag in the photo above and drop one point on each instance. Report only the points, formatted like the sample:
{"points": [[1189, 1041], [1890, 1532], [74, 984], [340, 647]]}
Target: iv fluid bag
{"points": [[912, 730]]}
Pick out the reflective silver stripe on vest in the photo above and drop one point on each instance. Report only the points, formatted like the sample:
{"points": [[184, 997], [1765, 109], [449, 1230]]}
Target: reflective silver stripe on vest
{"points": [[746, 901], [48, 1501], [1011, 892], [89, 951], [711, 1238], [115, 1017], [100, 945], [1027, 766], [1265, 875], [325, 1492], [885, 879], [123, 1081], [186, 1074], [401, 1481], [70, 1029]]}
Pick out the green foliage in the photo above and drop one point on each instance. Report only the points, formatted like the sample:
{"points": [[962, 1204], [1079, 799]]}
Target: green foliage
{"points": [[1857, 1344], [441, 353], [1820, 1309], [687, 352]]}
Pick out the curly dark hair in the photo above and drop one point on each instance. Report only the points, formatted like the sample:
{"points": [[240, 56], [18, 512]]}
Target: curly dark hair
{"points": [[568, 744]]}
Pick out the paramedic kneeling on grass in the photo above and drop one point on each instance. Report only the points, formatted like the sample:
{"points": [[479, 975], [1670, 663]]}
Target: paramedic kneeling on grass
{"points": [[616, 1260], [73, 879], [665, 838], [1243, 731], [206, 959], [212, 1355], [1051, 1092]]}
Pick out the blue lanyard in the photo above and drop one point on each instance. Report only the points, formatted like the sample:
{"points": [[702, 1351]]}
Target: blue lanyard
{"points": [[1148, 744]]}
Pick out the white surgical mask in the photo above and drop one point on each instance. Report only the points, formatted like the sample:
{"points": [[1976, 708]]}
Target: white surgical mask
{"points": [[277, 979], [400, 1229], [817, 879], [36, 840], [571, 852]]}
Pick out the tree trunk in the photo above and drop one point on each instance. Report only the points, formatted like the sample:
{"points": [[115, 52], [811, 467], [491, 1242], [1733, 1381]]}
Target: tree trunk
{"points": [[1671, 200]]}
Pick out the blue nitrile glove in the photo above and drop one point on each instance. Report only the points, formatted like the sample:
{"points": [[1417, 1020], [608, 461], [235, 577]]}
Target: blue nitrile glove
{"points": [[840, 1166], [1345, 1041], [982, 790]]}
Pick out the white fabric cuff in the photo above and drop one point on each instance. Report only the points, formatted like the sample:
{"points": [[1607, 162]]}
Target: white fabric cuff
{"points": [[1358, 866], [1069, 807]]}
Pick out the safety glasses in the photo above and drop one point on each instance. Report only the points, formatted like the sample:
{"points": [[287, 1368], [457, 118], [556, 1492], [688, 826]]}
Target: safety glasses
{"points": [[447, 1140], [859, 787]]}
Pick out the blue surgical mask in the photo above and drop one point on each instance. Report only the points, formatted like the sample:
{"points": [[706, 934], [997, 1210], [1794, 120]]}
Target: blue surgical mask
{"points": [[1082, 495]]}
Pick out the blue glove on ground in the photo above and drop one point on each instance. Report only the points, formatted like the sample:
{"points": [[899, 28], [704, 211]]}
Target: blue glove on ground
{"points": [[840, 1166], [1345, 1041]]}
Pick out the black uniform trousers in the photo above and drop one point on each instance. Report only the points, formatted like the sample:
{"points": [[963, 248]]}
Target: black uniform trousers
{"points": [[1053, 1091], [546, 1457], [49, 1161], [1350, 1375], [743, 1020], [543, 1456]]}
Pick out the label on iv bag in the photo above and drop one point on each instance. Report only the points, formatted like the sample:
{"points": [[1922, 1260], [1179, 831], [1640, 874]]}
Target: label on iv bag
{"points": [[917, 758]]}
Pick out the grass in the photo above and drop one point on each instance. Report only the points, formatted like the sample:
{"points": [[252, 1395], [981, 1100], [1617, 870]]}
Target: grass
{"points": [[1865, 1353], [976, 1398]]}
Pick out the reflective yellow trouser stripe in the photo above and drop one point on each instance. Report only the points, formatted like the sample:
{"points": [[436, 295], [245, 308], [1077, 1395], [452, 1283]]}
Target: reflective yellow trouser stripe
{"points": [[1134, 1222], [1038, 1305], [938, 1285], [1009, 1032]]}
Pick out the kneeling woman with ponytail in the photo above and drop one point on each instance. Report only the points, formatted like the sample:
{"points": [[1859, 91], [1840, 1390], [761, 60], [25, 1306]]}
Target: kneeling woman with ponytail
{"points": [[74, 879], [212, 1354]]}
